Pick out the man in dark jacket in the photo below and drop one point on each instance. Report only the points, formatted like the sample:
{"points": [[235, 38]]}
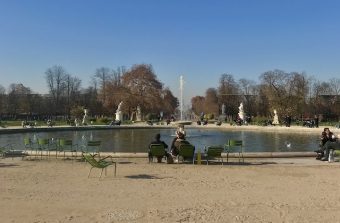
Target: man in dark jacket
{"points": [[158, 141]]}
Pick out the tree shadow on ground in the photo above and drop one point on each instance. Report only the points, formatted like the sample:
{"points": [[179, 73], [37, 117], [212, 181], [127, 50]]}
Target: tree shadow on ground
{"points": [[248, 164], [143, 176], [125, 162], [8, 165], [238, 163]]}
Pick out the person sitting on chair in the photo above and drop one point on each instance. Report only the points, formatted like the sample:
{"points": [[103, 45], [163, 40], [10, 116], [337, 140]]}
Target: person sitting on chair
{"points": [[327, 141], [158, 141], [331, 143], [177, 141]]}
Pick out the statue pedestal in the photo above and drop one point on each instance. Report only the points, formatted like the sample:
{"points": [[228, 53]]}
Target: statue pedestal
{"points": [[84, 122], [139, 117], [119, 116], [276, 120], [241, 115], [222, 118]]}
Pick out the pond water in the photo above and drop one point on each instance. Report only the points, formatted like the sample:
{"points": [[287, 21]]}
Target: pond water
{"points": [[137, 140]]}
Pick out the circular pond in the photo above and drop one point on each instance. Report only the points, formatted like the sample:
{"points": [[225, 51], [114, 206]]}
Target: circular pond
{"points": [[137, 140]]}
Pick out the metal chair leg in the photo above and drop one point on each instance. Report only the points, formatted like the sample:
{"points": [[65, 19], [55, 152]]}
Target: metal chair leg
{"points": [[89, 173]]}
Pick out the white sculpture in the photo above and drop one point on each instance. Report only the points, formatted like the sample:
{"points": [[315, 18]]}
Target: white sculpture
{"points": [[139, 114], [76, 123], [119, 114], [84, 122], [223, 109], [276, 118], [241, 112]]}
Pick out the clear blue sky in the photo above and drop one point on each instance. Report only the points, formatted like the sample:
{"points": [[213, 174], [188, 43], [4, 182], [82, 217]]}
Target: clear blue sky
{"points": [[198, 39]]}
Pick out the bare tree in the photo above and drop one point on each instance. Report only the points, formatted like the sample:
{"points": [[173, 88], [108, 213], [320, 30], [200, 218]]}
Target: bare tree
{"points": [[2, 100], [143, 85], [103, 76], [335, 85], [18, 97], [117, 75], [211, 102], [249, 90], [228, 93], [197, 104], [170, 102], [72, 91], [55, 78]]}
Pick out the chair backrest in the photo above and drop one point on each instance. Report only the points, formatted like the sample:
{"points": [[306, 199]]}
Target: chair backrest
{"points": [[91, 160], [186, 150], [157, 149], [27, 142], [65, 142], [235, 143], [94, 143], [215, 151], [43, 141]]}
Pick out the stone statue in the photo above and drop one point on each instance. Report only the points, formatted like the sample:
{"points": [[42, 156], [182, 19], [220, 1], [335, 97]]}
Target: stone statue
{"points": [[222, 116], [241, 111], [223, 109], [119, 113], [119, 107], [276, 118], [139, 114], [76, 123], [84, 122]]}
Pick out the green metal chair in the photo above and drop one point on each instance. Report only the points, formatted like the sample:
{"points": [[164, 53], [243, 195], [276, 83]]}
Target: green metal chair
{"points": [[213, 152], [66, 145], [28, 144], [43, 145], [156, 150], [93, 147], [100, 164], [186, 151], [235, 145], [5, 150]]}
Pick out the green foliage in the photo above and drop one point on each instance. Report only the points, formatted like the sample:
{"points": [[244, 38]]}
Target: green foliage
{"points": [[259, 120], [105, 120], [209, 116], [151, 116], [93, 120], [127, 122]]}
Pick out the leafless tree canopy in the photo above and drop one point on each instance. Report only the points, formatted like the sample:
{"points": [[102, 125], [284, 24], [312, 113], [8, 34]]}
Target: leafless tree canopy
{"points": [[294, 94], [290, 93]]}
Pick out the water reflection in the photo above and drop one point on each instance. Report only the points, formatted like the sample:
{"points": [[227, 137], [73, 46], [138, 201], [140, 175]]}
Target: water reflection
{"points": [[137, 140]]}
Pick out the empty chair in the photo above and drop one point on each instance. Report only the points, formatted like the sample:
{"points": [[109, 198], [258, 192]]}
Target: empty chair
{"points": [[100, 164], [93, 147], [156, 150], [28, 145], [213, 152], [235, 146], [43, 145], [186, 151], [66, 145], [5, 150]]}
